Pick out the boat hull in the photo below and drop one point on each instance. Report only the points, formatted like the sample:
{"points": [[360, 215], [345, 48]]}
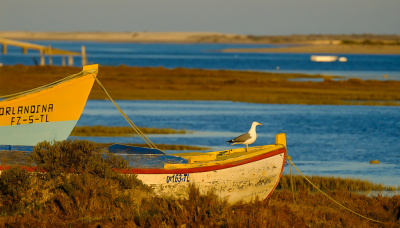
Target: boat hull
{"points": [[245, 180], [323, 58], [48, 114]]}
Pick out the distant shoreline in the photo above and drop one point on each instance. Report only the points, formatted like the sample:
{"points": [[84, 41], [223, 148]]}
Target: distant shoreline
{"points": [[325, 49], [318, 44], [139, 37]]}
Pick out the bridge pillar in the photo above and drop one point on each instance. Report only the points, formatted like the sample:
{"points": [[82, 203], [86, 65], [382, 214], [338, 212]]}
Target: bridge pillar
{"points": [[4, 48], [62, 60], [50, 57], [70, 60], [84, 60], [42, 63]]}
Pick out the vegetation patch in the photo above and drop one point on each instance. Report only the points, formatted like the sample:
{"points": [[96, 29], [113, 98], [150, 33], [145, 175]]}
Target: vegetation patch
{"points": [[159, 146], [121, 131], [331, 183], [370, 42], [80, 188], [137, 83]]}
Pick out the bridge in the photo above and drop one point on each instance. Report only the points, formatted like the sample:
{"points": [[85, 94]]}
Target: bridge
{"points": [[45, 51]]}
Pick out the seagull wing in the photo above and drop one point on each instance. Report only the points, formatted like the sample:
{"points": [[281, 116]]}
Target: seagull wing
{"points": [[241, 138]]}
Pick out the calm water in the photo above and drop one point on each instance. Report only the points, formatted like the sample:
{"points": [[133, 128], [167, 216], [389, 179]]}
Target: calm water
{"points": [[208, 56], [322, 140]]}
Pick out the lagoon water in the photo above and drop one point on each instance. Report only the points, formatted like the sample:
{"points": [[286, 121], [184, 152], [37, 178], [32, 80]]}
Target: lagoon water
{"points": [[321, 139], [209, 56]]}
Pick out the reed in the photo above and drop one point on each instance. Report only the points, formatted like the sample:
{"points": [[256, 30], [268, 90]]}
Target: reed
{"points": [[120, 131]]}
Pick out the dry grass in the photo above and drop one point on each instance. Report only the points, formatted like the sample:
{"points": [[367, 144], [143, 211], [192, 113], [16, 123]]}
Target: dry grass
{"points": [[120, 131], [86, 201], [191, 84], [94, 196], [331, 183]]}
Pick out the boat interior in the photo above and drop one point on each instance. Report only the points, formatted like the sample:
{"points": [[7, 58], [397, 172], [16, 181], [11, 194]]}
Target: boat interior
{"points": [[155, 159]]}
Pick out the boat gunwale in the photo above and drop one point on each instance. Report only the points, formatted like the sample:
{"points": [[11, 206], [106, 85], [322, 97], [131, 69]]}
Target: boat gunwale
{"points": [[206, 168], [51, 85], [45, 91]]}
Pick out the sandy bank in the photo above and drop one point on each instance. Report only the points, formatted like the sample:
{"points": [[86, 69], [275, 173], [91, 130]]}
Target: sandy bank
{"points": [[145, 37], [318, 44], [326, 49]]}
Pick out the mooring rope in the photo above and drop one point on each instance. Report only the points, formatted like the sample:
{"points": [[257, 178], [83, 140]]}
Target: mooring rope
{"points": [[291, 180], [82, 73], [290, 162], [140, 133]]}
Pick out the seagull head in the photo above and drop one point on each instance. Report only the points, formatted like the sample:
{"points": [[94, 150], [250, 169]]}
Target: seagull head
{"points": [[254, 125]]}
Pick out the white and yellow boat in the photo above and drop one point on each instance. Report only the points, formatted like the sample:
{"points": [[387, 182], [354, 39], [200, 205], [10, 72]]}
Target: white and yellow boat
{"points": [[233, 175], [47, 113]]}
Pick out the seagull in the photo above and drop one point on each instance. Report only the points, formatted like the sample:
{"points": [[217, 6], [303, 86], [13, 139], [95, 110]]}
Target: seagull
{"points": [[246, 138]]}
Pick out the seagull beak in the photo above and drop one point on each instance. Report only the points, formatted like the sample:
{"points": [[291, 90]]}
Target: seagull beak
{"points": [[259, 124]]}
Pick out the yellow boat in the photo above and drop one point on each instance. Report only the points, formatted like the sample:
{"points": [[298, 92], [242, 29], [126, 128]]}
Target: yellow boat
{"points": [[47, 113]]}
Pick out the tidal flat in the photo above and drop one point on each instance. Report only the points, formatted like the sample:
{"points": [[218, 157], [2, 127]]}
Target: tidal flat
{"points": [[99, 131], [144, 83]]}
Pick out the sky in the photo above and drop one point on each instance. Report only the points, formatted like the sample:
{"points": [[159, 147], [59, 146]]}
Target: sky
{"points": [[250, 17]]}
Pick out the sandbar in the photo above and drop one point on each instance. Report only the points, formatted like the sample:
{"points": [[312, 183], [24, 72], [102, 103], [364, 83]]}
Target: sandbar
{"points": [[325, 49]]}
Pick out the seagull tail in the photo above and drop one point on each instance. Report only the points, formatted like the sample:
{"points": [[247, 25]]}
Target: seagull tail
{"points": [[230, 141]]}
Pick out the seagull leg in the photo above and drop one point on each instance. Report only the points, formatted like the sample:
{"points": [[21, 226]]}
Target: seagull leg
{"points": [[247, 148]]}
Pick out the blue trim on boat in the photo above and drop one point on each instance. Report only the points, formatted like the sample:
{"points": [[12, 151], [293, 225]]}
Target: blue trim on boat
{"points": [[124, 149], [16, 148], [145, 158]]}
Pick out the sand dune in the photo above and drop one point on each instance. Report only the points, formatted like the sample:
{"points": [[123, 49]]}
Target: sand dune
{"points": [[167, 37], [301, 43]]}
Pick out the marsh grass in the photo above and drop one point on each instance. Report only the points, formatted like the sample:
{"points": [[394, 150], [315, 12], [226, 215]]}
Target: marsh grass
{"points": [[159, 146], [120, 131], [88, 202], [89, 195], [331, 183], [370, 42], [137, 83]]}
